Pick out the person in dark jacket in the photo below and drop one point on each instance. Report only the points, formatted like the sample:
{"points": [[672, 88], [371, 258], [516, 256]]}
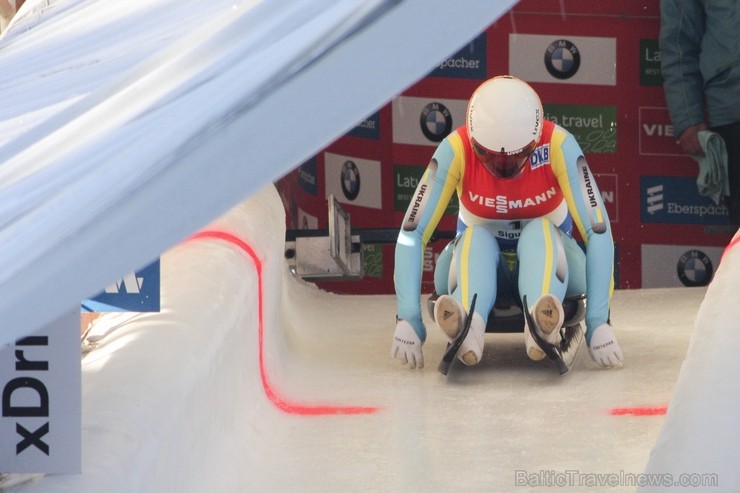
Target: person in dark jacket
{"points": [[700, 64]]}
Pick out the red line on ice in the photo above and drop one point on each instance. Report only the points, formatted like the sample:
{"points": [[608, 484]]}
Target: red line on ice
{"points": [[729, 247], [279, 401], [639, 411]]}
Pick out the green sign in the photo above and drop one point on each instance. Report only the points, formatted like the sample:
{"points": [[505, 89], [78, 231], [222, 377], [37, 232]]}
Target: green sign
{"points": [[372, 256], [406, 180], [594, 127], [650, 63]]}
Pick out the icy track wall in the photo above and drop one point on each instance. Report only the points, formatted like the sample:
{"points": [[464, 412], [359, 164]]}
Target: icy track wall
{"points": [[172, 400], [700, 435]]}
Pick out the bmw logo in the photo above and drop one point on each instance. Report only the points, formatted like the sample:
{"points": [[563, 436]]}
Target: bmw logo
{"points": [[562, 59], [694, 268], [350, 180], [435, 121]]}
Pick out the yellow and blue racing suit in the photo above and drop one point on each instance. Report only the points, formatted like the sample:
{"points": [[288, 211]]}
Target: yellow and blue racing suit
{"points": [[514, 236]]}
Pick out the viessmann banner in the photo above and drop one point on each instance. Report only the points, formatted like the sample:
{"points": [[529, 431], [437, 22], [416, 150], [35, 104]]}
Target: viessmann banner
{"points": [[40, 378]]}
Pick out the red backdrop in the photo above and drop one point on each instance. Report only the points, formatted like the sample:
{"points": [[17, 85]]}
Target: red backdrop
{"points": [[596, 67]]}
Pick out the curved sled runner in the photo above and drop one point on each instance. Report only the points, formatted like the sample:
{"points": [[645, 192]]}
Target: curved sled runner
{"points": [[510, 317]]}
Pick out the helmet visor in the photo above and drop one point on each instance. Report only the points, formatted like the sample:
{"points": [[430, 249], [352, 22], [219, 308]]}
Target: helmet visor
{"points": [[503, 164]]}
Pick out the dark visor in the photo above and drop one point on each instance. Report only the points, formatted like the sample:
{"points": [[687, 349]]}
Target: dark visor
{"points": [[503, 164]]}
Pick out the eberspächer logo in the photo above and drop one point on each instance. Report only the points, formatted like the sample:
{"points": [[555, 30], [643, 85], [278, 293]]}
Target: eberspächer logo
{"points": [[435, 121], [562, 59], [676, 200]]}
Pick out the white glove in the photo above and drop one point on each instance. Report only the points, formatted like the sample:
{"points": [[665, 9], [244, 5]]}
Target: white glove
{"points": [[604, 348], [407, 345]]}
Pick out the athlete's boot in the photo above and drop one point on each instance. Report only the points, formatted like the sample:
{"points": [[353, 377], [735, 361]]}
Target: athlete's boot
{"points": [[450, 316], [548, 316]]}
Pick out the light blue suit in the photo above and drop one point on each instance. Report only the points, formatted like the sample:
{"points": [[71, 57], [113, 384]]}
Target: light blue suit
{"points": [[514, 237]]}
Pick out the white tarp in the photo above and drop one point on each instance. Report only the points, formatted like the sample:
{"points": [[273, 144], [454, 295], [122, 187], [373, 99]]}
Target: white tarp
{"points": [[126, 126]]}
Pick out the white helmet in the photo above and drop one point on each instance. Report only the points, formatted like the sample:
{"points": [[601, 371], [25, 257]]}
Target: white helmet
{"points": [[504, 123]]}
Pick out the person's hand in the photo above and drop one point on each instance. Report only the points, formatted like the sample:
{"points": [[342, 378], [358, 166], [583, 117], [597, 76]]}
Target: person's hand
{"points": [[604, 348], [689, 140], [407, 345]]}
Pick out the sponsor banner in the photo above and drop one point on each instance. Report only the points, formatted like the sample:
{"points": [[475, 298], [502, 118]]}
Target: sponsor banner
{"points": [[135, 292], [656, 136], [666, 266], [306, 220], [650, 63], [594, 127], [607, 183], [406, 180], [431, 256], [676, 200], [307, 176], [353, 180], [289, 200], [41, 420], [563, 59], [369, 128], [468, 63], [426, 121], [372, 257]]}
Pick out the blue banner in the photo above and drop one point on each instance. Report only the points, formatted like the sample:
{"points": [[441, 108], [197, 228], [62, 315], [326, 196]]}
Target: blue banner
{"points": [[136, 292], [467, 63], [369, 128], [676, 200]]}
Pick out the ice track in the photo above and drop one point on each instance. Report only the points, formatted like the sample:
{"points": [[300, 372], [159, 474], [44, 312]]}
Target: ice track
{"points": [[204, 395]]}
